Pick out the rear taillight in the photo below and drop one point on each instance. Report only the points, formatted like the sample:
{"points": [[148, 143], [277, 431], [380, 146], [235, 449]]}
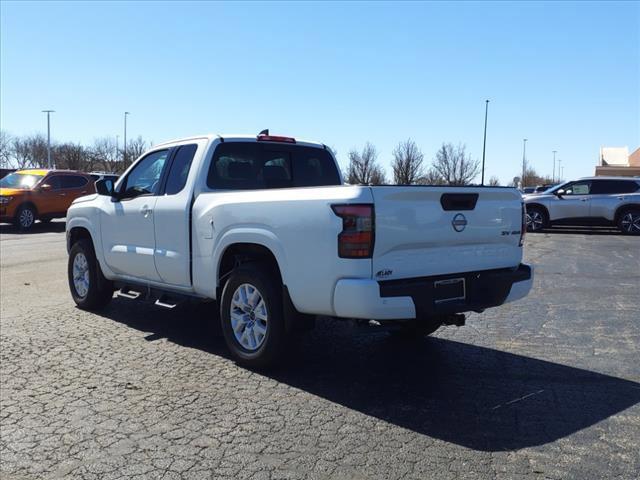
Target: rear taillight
{"points": [[523, 227], [357, 236]]}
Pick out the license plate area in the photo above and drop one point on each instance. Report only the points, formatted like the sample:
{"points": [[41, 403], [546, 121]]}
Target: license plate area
{"points": [[450, 290]]}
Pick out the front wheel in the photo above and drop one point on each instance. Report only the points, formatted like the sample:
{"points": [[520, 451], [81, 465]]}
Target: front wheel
{"points": [[89, 288], [25, 217], [536, 219], [629, 222], [252, 316]]}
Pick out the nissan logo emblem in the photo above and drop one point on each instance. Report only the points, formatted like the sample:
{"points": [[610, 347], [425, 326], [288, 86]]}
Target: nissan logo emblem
{"points": [[459, 222]]}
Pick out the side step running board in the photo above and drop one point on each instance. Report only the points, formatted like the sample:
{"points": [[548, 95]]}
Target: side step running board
{"points": [[164, 304], [158, 297], [130, 294]]}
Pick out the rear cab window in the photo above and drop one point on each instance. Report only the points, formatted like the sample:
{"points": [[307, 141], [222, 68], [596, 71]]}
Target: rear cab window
{"points": [[254, 165]]}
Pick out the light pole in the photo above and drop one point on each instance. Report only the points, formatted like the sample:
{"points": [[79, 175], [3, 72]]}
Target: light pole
{"points": [[553, 175], [559, 170], [48, 112], [524, 159], [484, 145], [124, 147]]}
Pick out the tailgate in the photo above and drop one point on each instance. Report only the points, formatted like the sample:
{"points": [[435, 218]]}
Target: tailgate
{"points": [[424, 231]]}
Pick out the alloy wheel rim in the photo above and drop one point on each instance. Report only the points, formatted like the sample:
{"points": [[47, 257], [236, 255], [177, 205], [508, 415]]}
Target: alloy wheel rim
{"points": [[535, 220], [249, 317], [26, 218], [631, 222], [81, 275]]}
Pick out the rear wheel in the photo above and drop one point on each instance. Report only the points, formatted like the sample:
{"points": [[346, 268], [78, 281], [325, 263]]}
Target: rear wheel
{"points": [[25, 217], [536, 219], [629, 222], [252, 316], [89, 288]]}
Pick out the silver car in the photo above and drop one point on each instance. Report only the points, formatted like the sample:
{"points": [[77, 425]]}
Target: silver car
{"points": [[588, 201]]}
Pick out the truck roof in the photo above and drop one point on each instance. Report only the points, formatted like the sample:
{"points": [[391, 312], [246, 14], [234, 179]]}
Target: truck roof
{"points": [[236, 137]]}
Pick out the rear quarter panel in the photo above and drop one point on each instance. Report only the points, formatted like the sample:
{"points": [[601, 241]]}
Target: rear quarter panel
{"points": [[296, 224]]}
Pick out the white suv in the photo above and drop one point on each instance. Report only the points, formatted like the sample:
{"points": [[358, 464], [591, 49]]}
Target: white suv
{"points": [[588, 201]]}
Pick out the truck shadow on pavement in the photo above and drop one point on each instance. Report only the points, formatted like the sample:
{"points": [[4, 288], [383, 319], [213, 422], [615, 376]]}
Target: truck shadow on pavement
{"points": [[477, 397]]}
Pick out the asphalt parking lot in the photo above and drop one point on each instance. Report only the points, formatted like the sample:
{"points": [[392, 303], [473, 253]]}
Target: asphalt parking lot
{"points": [[545, 388]]}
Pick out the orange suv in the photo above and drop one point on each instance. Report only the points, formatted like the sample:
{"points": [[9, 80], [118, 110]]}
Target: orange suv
{"points": [[27, 195]]}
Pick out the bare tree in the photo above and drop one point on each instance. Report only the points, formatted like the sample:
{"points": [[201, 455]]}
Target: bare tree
{"points": [[135, 148], [532, 178], [21, 153], [73, 157], [407, 163], [431, 177], [29, 151], [454, 165], [6, 149], [494, 181], [105, 155], [363, 168]]}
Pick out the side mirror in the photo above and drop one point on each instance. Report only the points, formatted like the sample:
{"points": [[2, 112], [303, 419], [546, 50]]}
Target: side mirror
{"points": [[45, 187], [559, 193], [104, 186]]}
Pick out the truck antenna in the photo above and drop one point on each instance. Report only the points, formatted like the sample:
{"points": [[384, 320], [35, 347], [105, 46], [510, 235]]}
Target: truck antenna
{"points": [[264, 132]]}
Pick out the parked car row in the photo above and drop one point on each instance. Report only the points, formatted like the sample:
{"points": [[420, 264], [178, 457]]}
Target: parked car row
{"points": [[39, 194]]}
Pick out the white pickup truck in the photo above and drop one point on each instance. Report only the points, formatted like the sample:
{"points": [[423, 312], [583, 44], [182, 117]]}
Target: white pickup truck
{"points": [[265, 226]]}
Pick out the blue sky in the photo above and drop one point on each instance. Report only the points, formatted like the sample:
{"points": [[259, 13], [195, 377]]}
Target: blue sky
{"points": [[564, 75]]}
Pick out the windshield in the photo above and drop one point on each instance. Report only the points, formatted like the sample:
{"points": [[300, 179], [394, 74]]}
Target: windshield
{"points": [[557, 186], [23, 181]]}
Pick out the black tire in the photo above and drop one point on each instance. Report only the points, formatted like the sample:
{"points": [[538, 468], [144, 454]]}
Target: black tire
{"points": [[537, 219], [273, 344], [629, 221], [25, 217], [100, 290]]}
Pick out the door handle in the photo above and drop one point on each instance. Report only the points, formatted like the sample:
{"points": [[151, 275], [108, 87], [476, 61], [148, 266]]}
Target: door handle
{"points": [[146, 211], [584, 199]]}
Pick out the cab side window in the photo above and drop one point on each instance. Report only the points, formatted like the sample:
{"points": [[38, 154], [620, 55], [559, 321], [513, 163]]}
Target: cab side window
{"points": [[73, 181], [179, 170], [612, 187], [578, 188], [54, 181], [144, 179]]}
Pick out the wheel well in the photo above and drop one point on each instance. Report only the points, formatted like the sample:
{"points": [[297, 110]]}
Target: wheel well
{"points": [[78, 233], [624, 208], [240, 253], [540, 206], [28, 204]]}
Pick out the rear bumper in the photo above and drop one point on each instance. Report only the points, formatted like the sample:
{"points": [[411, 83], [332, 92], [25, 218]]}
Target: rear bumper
{"points": [[414, 297]]}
